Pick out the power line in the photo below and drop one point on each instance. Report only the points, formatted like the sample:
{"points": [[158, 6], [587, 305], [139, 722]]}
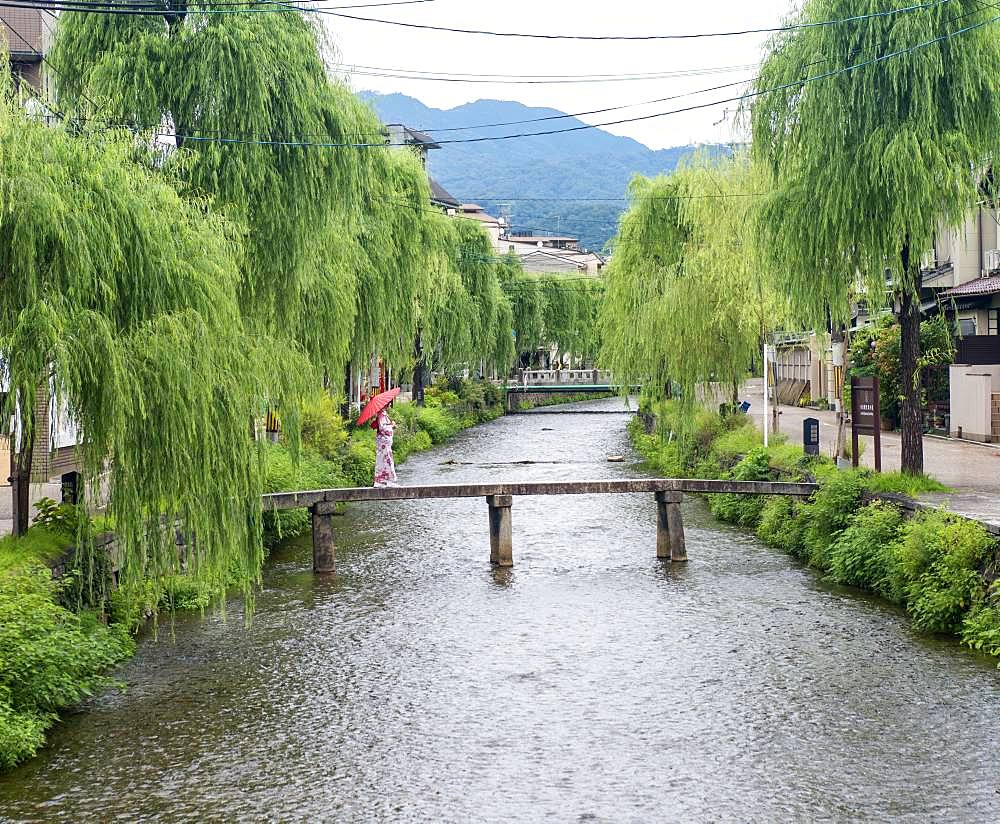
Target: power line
{"points": [[587, 126], [651, 75], [532, 80], [648, 102], [550, 118], [211, 7], [642, 37]]}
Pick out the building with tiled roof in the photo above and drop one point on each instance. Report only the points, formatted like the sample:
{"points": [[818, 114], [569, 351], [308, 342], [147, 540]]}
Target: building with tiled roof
{"points": [[961, 277]]}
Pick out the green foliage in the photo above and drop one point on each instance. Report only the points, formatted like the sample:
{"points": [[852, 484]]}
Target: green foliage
{"points": [[848, 192], [730, 447], [828, 514], [359, 460], [213, 75], [981, 628], [875, 352], [858, 556], [52, 658], [39, 545], [124, 295], [284, 474], [937, 570], [901, 484], [686, 298], [781, 525], [323, 429], [181, 592], [744, 510], [56, 517], [437, 422]]}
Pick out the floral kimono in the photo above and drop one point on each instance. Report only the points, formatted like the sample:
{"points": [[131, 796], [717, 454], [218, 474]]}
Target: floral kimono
{"points": [[385, 466]]}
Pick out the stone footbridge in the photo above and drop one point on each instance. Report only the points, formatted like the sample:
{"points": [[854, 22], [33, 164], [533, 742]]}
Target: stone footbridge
{"points": [[668, 494]]}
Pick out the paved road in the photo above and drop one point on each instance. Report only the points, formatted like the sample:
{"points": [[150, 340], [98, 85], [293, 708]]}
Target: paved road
{"points": [[971, 470]]}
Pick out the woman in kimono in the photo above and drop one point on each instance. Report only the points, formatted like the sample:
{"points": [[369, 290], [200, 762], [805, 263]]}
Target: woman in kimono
{"points": [[385, 466]]}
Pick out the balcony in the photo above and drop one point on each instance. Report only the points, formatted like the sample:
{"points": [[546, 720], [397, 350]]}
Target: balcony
{"points": [[978, 350]]}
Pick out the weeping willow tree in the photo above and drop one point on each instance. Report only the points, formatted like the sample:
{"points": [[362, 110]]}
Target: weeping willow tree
{"points": [[122, 296], [551, 310], [686, 301], [401, 240], [491, 322], [866, 161], [443, 340], [527, 302], [570, 313], [239, 91]]}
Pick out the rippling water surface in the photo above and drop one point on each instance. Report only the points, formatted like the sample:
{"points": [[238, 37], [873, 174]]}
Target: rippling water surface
{"points": [[588, 683]]}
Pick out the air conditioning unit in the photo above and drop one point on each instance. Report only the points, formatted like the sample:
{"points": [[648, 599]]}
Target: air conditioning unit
{"points": [[993, 261]]}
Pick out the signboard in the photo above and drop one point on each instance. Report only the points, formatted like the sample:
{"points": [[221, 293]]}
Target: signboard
{"points": [[866, 417], [810, 436]]}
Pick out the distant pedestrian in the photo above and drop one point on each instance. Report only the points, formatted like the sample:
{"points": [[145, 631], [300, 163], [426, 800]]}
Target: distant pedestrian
{"points": [[385, 466]]}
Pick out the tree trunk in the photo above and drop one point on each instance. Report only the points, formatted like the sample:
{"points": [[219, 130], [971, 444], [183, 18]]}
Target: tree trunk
{"points": [[345, 407], [419, 365], [912, 461], [20, 486]]}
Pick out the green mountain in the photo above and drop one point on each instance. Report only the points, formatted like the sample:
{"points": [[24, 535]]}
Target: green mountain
{"points": [[572, 183]]}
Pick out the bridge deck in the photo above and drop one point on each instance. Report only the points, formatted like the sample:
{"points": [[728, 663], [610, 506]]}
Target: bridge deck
{"points": [[294, 500], [529, 389]]}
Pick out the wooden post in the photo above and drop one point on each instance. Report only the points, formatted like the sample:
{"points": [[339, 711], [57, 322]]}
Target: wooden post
{"points": [[670, 527], [501, 549], [324, 545]]}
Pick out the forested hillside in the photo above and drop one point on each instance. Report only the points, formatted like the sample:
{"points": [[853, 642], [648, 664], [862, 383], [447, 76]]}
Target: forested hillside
{"points": [[570, 183]]}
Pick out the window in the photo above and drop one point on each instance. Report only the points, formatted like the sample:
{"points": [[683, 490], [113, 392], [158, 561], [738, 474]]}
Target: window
{"points": [[994, 322], [967, 327]]}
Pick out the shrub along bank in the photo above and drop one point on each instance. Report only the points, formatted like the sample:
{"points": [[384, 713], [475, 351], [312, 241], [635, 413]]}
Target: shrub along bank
{"points": [[943, 569], [54, 647]]}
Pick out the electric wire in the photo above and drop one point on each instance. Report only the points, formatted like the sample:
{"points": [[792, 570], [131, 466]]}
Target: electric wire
{"points": [[644, 37], [588, 126], [208, 7], [148, 9], [534, 80]]}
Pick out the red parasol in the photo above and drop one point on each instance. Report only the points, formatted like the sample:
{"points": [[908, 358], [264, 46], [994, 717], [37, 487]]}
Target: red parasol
{"points": [[377, 404]]}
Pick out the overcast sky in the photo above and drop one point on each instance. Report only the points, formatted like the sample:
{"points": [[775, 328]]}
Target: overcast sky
{"points": [[389, 47]]}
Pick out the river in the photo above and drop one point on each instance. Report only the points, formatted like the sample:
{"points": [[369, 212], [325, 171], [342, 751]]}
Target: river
{"points": [[588, 683]]}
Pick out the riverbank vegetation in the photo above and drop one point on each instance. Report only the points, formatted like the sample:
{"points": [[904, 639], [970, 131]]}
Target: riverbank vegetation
{"points": [[942, 569], [55, 640]]}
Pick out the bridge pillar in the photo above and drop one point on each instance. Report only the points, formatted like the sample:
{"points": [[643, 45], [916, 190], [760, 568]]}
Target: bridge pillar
{"points": [[670, 527], [324, 544], [501, 544]]}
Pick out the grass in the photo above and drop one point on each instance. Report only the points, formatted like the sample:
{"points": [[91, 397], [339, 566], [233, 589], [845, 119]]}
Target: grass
{"points": [[897, 482], [39, 545]]}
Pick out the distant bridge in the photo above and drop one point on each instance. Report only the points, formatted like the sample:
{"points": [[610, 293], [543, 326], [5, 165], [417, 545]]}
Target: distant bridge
{"points": [[536, 392]]}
